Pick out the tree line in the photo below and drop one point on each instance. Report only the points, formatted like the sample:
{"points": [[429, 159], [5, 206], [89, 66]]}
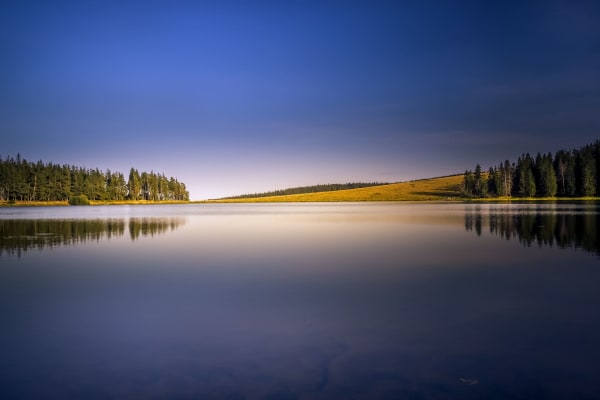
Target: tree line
{"points": [[330, 187], [21, 180], [569, 173]]}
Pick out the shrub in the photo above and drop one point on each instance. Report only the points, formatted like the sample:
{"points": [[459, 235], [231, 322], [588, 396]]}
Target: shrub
{"points": [[81, 200]]}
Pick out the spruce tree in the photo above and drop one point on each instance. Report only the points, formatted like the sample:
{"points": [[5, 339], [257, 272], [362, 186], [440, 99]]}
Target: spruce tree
{"points": [[547, 177], [134, 184], [529, 184]]}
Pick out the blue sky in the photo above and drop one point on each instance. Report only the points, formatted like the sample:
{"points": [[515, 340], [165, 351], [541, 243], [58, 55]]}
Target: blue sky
{"points": [[236, 97]]}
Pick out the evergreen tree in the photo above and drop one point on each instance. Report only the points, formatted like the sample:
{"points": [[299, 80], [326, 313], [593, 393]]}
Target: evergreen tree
{"points": [[530, 189], [27, 181], [596, 154], [134, 184], [468, 187], [506, 173], [492, 182], [564, 167], [569, 173], [586, 171], [547, 187], [479, 186]]}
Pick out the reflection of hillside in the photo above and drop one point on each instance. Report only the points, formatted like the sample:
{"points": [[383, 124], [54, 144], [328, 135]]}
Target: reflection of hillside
{"points": [[17, 236], [565, 230]]}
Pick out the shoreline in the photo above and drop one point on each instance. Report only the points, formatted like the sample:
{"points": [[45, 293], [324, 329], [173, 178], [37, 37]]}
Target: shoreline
{"points": [[93, 203], [453, 200], [441, 201]]}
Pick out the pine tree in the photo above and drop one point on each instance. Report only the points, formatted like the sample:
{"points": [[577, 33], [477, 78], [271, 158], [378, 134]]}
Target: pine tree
{"points": [[586, 171], [468, 185], [529, 184], [491, 183], [133, 184], [478, 182], [28, 181], [548, 184], [507, 178]]}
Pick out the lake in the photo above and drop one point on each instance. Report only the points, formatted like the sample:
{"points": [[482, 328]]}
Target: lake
{"points": [[300, 301]]}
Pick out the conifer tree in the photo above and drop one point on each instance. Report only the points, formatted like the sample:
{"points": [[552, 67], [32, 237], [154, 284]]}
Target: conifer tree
{"points": [[492, 182], [134, 184], [548, 185], [530, 188], [569, 173], [29, 181]]}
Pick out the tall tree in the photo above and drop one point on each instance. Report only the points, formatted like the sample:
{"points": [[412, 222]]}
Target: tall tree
{"points": [[547, 186], [530, 188], [134, 184], [24, 180], [568, 173], [507, 178], [468, 186], [492, 182]]}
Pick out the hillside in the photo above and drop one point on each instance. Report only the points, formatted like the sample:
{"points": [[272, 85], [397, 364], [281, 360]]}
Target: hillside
{"points": [[434, 189], [308, 189]]}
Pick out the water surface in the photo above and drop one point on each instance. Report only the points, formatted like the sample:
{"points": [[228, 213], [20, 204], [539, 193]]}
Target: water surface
{"points": [[308, 301]]}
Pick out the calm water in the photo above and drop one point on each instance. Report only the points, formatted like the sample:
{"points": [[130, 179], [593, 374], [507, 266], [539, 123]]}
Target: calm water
{"points": [[309, 301]]}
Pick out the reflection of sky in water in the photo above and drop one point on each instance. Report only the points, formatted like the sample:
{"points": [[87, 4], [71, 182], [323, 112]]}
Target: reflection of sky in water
{"points": [[301, 301]]}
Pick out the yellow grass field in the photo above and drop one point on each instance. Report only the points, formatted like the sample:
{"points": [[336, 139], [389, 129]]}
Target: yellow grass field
{"points": [[434, 189]]}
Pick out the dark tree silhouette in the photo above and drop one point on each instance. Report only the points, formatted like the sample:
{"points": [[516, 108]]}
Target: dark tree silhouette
{"points": [[570, 173]]}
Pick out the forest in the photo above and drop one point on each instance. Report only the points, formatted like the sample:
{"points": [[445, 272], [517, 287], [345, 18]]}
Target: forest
{"points": [[21, 180], [330, 187], [569, 173]]}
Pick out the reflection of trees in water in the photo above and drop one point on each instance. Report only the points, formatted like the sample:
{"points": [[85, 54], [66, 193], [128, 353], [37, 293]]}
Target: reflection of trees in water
{"points": [[152, 226], [17, 236], [562, 229]]}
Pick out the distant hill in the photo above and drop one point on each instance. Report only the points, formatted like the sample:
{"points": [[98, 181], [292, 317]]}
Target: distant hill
{"points": [[442, 188], [331, 187]]}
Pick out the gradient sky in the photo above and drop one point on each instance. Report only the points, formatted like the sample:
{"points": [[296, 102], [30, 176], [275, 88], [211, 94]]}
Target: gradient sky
{"points": [[237, 97]]}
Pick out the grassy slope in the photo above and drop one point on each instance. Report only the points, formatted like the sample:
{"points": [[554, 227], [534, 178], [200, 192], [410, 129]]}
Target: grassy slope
{"points": [[426, 189]]}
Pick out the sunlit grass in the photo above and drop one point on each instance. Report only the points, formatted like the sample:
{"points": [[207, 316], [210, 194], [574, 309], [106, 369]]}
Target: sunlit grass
{"points": [[5, 203], [434, 189]]}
